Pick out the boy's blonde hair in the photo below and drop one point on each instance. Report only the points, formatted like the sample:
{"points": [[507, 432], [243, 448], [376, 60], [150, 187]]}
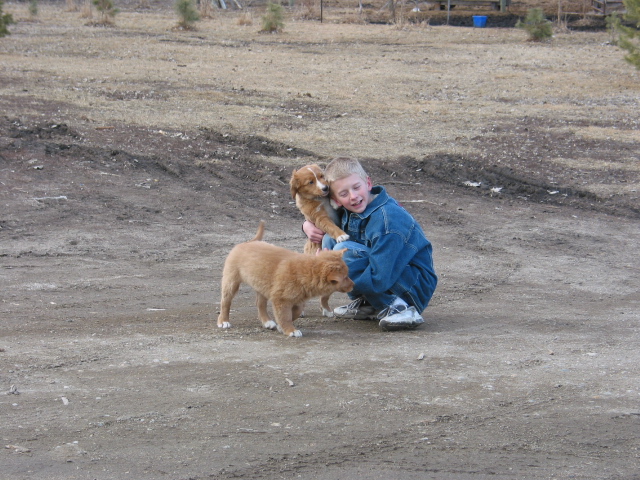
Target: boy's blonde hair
{"points": [[342, 167]]}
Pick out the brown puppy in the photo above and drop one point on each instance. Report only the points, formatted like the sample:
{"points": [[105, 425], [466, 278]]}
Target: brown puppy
{"points": [[311, 193], [286, 278]]}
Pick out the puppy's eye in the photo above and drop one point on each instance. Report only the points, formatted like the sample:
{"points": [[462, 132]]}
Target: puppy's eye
{"points": [[310, 182]]}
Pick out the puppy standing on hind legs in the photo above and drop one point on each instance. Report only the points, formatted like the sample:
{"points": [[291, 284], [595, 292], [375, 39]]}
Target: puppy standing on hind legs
{"points": [[311, 193], [286, 278]]}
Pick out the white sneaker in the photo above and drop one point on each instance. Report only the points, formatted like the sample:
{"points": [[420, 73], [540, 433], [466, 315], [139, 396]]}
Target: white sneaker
{"points": [[356, 310], [399, 317]]}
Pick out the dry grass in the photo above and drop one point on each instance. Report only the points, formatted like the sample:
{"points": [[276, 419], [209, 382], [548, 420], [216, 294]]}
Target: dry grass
{"points": [[371, 90], [245, 19], [206, 10]]}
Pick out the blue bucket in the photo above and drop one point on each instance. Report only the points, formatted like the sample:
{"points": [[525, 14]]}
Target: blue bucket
{"points": [[479, 21]]}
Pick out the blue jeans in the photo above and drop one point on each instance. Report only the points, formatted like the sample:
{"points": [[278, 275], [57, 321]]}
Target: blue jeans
{"points": [[357, 259]]}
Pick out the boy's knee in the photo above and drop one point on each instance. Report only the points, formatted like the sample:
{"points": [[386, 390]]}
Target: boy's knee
{"points": [[328, 243]]}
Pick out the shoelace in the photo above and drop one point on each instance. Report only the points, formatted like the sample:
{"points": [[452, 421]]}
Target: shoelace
{"points": [[355, 304], [392, 310]]}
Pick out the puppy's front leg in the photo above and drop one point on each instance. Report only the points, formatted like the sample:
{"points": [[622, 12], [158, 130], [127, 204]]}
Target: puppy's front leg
{"points": [[261, 302], [284, 318], [326, 310], [325, 224]]}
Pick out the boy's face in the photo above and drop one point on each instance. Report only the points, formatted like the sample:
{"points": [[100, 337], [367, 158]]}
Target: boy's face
{"points": [[352, 192]]}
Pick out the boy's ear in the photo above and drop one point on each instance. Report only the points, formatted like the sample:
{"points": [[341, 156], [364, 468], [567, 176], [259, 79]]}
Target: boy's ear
{"points": [[369, 184]]}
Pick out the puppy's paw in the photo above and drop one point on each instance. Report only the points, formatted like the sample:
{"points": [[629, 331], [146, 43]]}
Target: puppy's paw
{"points": [[271, 325], [327, 313], [224, 325], [342, 238], [296, 333]]}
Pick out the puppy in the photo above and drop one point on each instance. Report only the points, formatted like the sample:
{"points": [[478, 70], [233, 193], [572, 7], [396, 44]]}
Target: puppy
{"points": [[311, 193], [286, 278]]}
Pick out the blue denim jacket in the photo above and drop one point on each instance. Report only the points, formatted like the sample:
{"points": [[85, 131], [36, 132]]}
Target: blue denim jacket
{"points": [[398, 258]]}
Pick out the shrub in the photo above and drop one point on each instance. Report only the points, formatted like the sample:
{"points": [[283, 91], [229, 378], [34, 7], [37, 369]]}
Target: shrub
{"points": [[33, 8], [273, 20], [5, 20], [536, 25], [188, 14], [107, 10], [630, 34]]}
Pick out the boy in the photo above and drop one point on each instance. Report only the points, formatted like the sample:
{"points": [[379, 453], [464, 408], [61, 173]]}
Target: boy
{"points": [[389, 257]]}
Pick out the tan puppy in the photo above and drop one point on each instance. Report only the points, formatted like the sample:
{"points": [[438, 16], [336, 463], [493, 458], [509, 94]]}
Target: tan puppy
{"points": [[311, 193], [286, 278]]}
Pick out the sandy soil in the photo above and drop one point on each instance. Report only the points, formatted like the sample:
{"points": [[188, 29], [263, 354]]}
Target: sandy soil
{"points": [[132, 158]]}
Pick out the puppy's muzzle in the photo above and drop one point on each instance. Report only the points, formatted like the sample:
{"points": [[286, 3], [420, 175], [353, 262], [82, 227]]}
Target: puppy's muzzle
{"points": [[347, 285]]}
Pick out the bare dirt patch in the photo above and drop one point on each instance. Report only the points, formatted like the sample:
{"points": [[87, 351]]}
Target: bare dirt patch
{"points": [[132, 158]]}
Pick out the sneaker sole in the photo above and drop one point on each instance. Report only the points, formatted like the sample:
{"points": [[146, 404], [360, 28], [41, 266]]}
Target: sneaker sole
{"points": [[409, 325], [354, 316], [357, 317]]}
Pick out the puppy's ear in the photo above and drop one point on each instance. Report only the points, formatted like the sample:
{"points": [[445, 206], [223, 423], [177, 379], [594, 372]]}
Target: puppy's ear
{"points": [[337, 271], [294, 184], [341, 252]]}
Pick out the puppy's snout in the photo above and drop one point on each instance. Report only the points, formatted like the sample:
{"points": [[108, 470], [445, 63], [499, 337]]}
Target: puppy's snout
{"points": [[325, 188], [347, 285]]}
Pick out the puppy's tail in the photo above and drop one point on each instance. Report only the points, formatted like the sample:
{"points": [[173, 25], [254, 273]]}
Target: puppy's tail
{"points": [[259, 233]]}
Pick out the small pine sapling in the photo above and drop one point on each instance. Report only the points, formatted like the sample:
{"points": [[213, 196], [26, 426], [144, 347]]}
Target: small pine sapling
{"points": [[273, 19], [613, 27], [536, 25], [630, 34], [188, 14], [33, 8], [5, 20], [107, 10]]}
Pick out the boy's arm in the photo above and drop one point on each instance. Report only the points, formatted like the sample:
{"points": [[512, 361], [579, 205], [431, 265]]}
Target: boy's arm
{"points": [[390, 253], [388, 257], [312, 232]]}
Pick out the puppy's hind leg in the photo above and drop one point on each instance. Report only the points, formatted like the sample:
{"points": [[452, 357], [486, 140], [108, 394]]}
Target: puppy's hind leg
{"points": [[261, 302], [229, 288], [296, 312]]}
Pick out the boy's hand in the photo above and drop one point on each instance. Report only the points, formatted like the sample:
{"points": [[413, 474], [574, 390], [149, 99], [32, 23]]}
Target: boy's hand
{"points": [[313, 232]]}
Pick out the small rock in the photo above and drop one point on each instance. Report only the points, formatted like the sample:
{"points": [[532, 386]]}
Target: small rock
{"points": [[17, 448], [68, 451]]}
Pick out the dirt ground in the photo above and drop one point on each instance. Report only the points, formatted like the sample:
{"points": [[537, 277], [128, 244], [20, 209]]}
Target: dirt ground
{"points": [[133, 157]]}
